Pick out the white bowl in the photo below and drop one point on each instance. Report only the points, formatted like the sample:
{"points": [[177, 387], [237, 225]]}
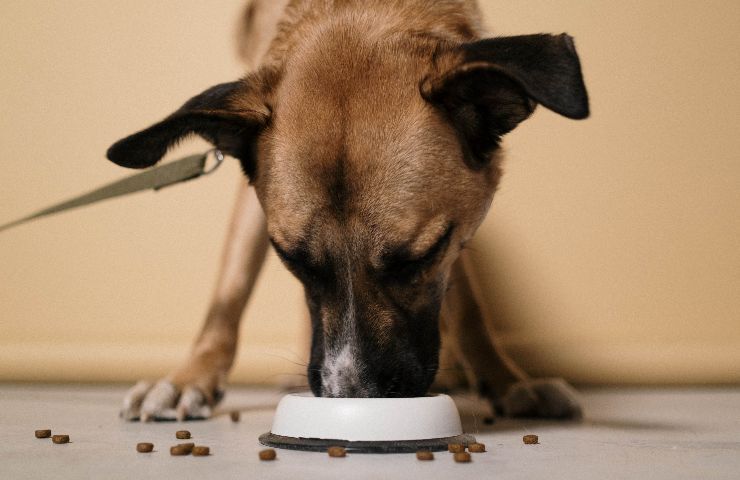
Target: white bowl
{"points": [[366, 419]]}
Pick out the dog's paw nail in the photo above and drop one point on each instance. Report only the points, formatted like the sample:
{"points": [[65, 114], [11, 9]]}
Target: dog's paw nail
{"points": [[193, 405], [164, 401], [133, 399], [159, 403], [128, 415], [167, 415]]}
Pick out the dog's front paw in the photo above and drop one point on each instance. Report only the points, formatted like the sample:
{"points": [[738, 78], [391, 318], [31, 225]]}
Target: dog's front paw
{"points": [[541, 398], [165, 400]]}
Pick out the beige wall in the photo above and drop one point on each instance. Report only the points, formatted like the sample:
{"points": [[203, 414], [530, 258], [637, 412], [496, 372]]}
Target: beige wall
{"points": [[610, 254]]}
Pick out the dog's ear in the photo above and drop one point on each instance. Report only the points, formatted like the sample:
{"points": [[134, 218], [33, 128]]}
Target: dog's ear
{"points": [[488, 87], [229, 116]]}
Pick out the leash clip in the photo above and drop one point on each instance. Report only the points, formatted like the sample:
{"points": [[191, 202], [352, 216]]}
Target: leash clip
{"points": [[218, 156]]}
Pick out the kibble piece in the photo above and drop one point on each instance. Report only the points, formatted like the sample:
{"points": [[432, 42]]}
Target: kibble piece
{"points": [[187, 446], [201, 451], [43, 433], [456, 447], [477, 447], [144, 447], [182, 435], [531, 439], [179, 450], [234, 416], [462, 457], [488, 421], [337, 452], [424, 455], [268, 454], [59, 439]]}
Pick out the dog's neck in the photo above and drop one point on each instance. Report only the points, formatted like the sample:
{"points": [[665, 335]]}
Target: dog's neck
{"points": [[442, 20]]}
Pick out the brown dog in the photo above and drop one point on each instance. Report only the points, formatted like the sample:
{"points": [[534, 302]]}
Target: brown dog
{"points": [[369, 131]]}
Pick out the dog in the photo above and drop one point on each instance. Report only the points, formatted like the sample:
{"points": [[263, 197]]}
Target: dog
{"points": [[369, 132]]}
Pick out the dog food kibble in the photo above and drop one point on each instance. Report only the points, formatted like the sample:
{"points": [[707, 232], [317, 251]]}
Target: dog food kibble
{"points": [[182, 434], [268, 454], [234, 416], [201, 451], [187, 446], [182, 449], [455, 447], [424, 455], [462, 457], [144, 447], [43, 433], [477, 447], [179, 450], [59, 439], [531, 439], [337, 452]]}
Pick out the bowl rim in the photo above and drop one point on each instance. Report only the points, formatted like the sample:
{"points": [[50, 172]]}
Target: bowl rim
{"points": [[303, 415]]}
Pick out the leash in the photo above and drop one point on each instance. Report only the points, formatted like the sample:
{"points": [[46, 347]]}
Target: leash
{"points": [[157, 178]]}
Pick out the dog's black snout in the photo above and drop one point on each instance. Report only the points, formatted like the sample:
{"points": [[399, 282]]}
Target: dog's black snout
{"points": [[393, 387], [399, 384], [363, 381]]}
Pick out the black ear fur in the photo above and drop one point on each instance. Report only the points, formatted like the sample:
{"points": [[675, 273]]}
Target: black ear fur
{"points": [[223, 115], [546, 66], [488, 87]]}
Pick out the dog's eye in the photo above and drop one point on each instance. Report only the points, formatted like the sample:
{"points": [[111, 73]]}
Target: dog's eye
{"points": [[299, 263], [406, 270], [400, 265]]}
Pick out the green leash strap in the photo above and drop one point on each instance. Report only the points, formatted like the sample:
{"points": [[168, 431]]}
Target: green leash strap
{"points": [[156, 178]]}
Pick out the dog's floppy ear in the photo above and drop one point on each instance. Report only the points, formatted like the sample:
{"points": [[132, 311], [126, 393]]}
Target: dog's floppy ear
{"points": [[228, 115], [488, 87]]}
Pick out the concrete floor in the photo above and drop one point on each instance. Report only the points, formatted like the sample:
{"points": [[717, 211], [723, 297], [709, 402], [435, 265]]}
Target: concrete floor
{"points": [[629, 433]]}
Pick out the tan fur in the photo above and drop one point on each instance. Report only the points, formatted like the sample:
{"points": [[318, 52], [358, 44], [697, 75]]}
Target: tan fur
{"points": [[397, 159], [386, 119]]}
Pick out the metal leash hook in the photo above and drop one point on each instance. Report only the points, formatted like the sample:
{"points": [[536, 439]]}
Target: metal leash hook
{"points": [[219, 156]]}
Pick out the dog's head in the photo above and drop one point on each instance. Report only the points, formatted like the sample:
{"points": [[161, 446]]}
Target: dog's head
{"points": [[374, 164]]}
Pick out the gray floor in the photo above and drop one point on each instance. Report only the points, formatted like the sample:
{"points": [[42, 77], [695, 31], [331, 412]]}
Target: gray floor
{"points": [[629, 433]]}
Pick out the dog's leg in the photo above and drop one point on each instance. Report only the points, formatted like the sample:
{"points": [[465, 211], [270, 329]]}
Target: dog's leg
{"points": [[197, 385], [487, 367], [451, 373]]}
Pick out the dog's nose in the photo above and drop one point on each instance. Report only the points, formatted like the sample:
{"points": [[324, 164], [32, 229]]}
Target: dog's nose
{"points": [[355, 389], [341, 374], [346, 374], [349, 384]]}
